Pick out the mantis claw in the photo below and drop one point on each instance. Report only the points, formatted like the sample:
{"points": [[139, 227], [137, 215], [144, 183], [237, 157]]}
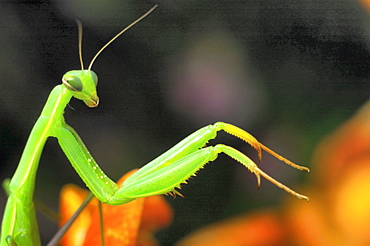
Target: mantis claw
{"points": [[248, 138], [258, 180], [243, 135]]}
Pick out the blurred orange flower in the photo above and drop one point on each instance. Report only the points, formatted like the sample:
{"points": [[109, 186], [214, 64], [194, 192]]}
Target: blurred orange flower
{"points": [[261, 228], [129, 224], [339, 209], [365, 4]]}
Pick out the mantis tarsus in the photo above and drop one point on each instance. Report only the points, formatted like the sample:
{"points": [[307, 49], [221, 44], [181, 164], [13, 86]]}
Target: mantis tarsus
{"points": [[161, 176]]}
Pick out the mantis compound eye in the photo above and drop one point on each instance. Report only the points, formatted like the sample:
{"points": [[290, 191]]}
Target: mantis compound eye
{"points": [[73, 82]]}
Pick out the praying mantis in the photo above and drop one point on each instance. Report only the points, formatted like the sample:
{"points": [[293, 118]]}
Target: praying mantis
{"points": [[163, 175]]}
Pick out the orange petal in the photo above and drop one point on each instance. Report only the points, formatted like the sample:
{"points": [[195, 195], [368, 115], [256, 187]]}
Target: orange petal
{"points": [[347, 143], [310, 223], [146, 239], [121, 222], [337, 213], [71, 197], [157, 214], [263, 228], [366, 4], [352, 203]]}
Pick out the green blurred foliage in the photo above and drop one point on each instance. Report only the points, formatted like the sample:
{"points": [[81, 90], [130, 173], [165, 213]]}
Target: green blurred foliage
{"points": [[286, 71]]}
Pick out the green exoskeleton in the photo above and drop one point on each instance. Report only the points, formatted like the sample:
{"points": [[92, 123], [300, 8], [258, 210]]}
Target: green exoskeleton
{"points": [[162, 175]]}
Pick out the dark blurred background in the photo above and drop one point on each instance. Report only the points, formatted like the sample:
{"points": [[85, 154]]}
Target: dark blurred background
{"points": [[286, 71]]}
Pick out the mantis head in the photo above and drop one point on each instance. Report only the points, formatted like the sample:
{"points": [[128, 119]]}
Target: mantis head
{"points": [[82, 84]]}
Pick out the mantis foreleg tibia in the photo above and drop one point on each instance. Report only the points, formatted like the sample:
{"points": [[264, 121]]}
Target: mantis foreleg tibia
{"points": [[162, 175]]}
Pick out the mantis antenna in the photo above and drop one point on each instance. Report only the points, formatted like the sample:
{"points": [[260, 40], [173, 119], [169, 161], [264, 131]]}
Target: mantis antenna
{"points": [[79, 24], [106, 45]]}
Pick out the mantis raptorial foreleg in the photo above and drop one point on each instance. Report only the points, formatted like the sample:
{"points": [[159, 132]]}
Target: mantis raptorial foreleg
{"points": [[166, 172], [161, 176]]}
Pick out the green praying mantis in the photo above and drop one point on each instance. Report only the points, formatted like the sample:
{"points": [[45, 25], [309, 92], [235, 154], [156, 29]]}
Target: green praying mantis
{"points": [[160, 176]]}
